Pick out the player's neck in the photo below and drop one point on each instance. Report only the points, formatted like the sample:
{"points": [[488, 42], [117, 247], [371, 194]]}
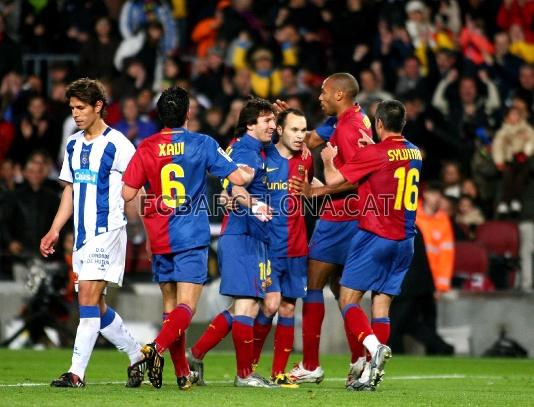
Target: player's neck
{"points": [[388, 134], [284, 151], [342, 108], [95, 130]]}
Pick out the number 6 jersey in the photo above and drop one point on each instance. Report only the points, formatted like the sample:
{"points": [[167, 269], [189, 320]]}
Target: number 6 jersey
{"points": [[172, 166], [388, 174]]}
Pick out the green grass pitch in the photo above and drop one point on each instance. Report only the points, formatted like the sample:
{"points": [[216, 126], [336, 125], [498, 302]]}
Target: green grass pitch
{"points": [[409, 381]]}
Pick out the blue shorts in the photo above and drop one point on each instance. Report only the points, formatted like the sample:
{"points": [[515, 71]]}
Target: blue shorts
{"points": [[289, 276], [377, 264], [243, 265], [330, 241], [189, 266]]}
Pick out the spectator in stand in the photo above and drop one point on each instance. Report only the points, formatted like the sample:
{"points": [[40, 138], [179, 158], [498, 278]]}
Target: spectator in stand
{"points": [[466, 112], [80, 17], [132, 79], [7, 176], [227, 129], [513, 145], [419, 25], [173, 70], [410, 79], [237, 18], [476, 47], [135, 128], [370, 90], [525, 90], [96, 56], [35, 131], [204, 34], [451, 178], [437, 232], [210, 71], [28, 213], [291, 85], [289, 40], [468, 215], [504, 66], [10, 53], [517, 12], [136, 14], [519, 46], [352, 35]]}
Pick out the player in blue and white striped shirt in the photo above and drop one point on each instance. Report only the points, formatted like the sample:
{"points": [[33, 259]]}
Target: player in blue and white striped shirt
{"points": [[93, 164]]}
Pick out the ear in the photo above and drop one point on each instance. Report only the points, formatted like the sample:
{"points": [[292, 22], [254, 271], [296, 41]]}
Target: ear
{"points": [[279, 130], [188, 115], [339, 95], [98, 106]]}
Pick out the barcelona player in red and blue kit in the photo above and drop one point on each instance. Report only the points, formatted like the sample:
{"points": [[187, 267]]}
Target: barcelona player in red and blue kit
{"points": [[381, 251], [329, 243], [172, 165], [288, 247]]}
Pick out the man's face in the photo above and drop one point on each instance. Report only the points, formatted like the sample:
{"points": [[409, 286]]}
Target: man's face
{"points": [[264, 127], [293, 133], [328, 98], [526, 78], [83, 113]]}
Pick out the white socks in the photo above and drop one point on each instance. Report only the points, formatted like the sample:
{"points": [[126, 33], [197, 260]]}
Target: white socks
{"points": [[112, 328], [371, 344], [86, 336]]}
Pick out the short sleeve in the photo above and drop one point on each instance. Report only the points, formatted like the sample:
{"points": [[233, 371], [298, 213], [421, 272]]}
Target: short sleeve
{"points": [[245, 156], [66, 172], [126, 150], [135, 175], [363, 163], [217, 161]]}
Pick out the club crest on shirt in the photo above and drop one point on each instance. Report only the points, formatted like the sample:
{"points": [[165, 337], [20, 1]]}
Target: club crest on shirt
{"points": [[301, 169], [84, 158]]}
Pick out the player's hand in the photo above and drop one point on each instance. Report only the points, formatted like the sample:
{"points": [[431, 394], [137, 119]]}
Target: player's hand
{"points": [[299, 186], [48, 242], [279, 106], [328, 153], [262, 211], [305, 151], [227, 201], [364, 140]]}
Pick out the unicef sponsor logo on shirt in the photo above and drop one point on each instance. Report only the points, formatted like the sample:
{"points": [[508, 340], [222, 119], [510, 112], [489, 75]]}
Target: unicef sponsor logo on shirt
{"points": [[85, 176]]}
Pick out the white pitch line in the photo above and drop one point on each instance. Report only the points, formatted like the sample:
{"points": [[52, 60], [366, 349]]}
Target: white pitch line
{"points": [[328, 379]]}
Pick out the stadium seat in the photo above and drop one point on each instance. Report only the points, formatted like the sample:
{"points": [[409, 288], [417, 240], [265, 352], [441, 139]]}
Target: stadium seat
{"points": [[501, 239], [471, 266]]}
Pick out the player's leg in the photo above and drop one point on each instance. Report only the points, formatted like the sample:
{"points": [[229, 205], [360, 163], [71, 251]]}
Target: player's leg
{"points": [[269, 306], [380, 316], [264, 322], [89, 294], [111, 324], [283, 343]]}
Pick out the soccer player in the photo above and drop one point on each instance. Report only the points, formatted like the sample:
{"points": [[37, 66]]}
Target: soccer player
{"points": [[338, 222], [95, 158], [243, 248], [381, 251], [174, 163]]}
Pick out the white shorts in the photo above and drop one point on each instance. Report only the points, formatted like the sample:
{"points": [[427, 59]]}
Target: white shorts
{"points": [[102, 258]]}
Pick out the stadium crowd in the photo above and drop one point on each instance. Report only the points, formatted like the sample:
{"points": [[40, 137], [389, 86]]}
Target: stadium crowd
{"points": [[463, 69]]}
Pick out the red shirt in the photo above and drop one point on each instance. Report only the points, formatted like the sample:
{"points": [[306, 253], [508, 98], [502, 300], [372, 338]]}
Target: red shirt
{"points": [[388, 173], [346, 135]]}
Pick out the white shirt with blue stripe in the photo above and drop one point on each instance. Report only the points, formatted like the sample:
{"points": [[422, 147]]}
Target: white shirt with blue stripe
{"points": [[95, 169]]}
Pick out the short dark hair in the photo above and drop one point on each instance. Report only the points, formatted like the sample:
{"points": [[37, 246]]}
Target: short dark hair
{"points": [[282, 116], [347, 83], [89, 91], [172, 106], [392, 114], [254, 108]]}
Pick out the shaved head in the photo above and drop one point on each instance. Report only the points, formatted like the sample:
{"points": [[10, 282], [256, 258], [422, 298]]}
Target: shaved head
{"points": [[346, 83]]}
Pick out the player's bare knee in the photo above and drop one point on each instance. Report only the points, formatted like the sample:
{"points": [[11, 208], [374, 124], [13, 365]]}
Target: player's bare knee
{"points": [[270, 306], [286, 309]]}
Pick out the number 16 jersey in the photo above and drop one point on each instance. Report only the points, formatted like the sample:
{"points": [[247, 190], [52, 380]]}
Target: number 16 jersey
{"points": [[172, 166]]}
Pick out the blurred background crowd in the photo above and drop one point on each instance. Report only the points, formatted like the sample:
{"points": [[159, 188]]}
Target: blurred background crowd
{"points": [[464, 69]]}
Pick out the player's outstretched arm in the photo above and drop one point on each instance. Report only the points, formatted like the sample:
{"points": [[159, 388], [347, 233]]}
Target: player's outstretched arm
{"points": [[331, 174], [63, 214], [242, 176], [316, 188]]}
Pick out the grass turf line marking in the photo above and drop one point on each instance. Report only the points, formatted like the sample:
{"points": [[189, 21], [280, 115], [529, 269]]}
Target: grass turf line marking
{"points": [[328, 379]]}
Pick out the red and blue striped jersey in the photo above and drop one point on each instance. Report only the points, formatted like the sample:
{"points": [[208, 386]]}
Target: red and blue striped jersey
{"points": [[173, 166], [345, 137], [288, 226], [388, 173]]}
